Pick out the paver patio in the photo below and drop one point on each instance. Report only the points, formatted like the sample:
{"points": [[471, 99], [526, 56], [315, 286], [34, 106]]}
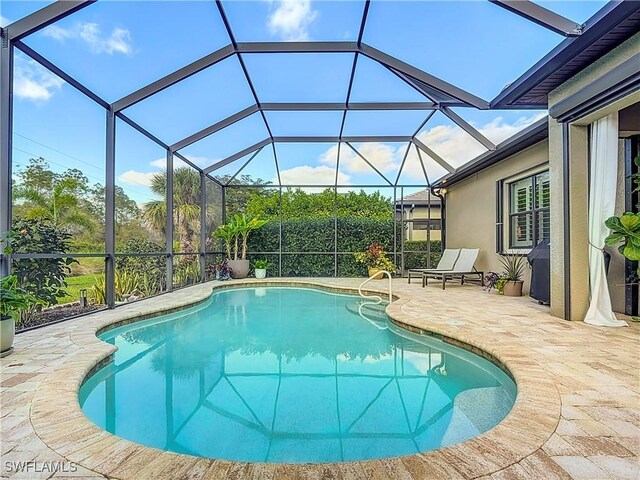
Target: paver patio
{"points": [[577, 413]]}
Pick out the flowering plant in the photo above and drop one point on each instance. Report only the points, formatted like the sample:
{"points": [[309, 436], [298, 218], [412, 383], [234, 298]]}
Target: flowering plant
{"points": [[493, 280], [223, 272], [374, 257]]}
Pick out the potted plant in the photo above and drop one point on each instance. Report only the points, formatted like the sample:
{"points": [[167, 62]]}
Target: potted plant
{"points": [[260, 267], [13, 300], [493, 280], [625, 229], [235, 231], [375, 260], [514, 266]]}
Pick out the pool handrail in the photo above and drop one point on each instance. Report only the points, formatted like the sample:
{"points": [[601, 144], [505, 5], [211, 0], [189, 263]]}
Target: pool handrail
{"points": [[378, 297]]}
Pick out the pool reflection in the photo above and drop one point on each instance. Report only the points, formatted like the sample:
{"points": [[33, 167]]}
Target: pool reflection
{"points": [[239, 378]]}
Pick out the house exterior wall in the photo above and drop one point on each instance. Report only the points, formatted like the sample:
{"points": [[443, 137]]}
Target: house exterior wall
{"points": [[578, 262], [471, 227], [420, 212]]}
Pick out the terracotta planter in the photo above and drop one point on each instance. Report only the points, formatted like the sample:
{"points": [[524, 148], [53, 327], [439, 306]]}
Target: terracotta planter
{"points": [[239, 268], [513, 289], [261, 272], [373, 271], [7, 333]]}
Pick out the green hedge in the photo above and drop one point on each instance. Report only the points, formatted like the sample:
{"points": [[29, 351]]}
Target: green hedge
{"points": [[317, 235], [413, 259]]}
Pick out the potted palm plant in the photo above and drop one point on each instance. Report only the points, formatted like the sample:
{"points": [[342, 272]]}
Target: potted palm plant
{"points": [[514, 267], [260, 267], [375, 260], [236, 234], [13, 300]]}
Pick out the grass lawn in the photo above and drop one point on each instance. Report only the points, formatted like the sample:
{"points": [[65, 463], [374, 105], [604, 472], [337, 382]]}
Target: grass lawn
{"points": [[75, 284]]}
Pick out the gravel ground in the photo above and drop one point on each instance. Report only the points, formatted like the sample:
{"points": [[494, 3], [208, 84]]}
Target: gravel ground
{"points": [[57, 313]]}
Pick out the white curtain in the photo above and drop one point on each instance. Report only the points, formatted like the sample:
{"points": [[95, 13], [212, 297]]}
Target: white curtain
{"points": [[602, 197]]}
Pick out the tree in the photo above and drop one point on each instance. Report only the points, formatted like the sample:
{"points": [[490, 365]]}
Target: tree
{"points": [[238, 197], [298, 204], [186, 206], [54, 197], [44, 278]]}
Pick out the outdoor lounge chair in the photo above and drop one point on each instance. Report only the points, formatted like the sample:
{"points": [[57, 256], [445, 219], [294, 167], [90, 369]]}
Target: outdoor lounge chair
{"points": [[446, 263], [464, 267]]}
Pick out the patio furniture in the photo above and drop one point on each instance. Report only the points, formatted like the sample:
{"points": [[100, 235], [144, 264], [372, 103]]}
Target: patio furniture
{"points": [[463, 267], [446, 263]]}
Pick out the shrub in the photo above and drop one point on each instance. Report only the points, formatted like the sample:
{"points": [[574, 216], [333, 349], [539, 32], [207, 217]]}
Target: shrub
{"points": [[317, 235], [43, 278]]}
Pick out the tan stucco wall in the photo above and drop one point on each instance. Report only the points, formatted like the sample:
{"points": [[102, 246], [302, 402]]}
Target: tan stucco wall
{"points": [[421, 213], [471, 216], [578, 137]]}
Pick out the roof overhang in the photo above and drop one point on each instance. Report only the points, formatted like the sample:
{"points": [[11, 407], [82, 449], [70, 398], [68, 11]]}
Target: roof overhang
{"points": [[613, 24]]}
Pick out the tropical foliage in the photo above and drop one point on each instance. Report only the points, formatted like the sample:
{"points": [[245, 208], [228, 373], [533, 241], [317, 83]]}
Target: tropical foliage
{"points": [[375, 257], [297, 204], [625, 232], [13, 299], [44, 278], [68, 201], [186, 207], [235, 233]]}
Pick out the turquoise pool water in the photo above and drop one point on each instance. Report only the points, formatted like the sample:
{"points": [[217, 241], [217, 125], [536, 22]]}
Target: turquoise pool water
{"points": [[283, 374]]}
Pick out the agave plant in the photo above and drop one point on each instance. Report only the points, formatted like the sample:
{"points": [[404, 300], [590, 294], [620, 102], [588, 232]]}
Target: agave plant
{"points": [[514, 266]]}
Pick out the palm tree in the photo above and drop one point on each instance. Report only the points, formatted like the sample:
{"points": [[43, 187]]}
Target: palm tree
{"points": [[60, 204], [186, 206]]}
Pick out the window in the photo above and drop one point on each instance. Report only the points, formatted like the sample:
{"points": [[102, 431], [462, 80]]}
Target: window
{"points": [[529, 211], [427, 224]]}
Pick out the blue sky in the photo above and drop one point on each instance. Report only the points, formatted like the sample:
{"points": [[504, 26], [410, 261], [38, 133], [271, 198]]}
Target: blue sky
{"points": [[116, 47]]}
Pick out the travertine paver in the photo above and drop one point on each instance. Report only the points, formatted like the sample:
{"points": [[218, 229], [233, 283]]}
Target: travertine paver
{"points": [[577, 414]]}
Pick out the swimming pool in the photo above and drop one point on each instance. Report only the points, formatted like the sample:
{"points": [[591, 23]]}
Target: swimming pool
{"points": [[287, 374]]}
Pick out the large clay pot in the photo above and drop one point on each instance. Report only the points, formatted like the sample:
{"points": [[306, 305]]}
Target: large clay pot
{"points": [[513, 289], [7, 333], [373, 271], [239, 268]]}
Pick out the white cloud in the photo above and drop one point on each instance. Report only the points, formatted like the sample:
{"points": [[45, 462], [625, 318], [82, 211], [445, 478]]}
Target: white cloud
{"points": [[385, 158], [58, 33], [307, 175], [291, 19], [132, 177], [34, 82], [119, 41], [458, 147], [453, 144], [161, 163]]}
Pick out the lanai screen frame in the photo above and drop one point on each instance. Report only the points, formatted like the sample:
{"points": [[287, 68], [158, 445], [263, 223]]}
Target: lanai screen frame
{"points": [[441, 97]]}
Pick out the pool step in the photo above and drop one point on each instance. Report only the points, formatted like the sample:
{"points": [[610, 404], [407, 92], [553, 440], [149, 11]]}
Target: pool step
{"points": [[371, 311]]}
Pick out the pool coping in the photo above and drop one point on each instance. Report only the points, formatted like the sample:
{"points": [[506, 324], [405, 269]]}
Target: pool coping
{"points": [[58, 420]]}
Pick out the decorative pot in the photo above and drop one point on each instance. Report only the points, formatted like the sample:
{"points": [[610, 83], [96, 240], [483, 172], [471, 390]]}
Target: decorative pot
{"points": [[261, 272], [513, 289], [7, 333], [239, 268], [373, 271]]}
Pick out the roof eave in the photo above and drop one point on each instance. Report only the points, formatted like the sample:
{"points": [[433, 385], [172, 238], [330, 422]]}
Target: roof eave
{"points": [[600, 23]]}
